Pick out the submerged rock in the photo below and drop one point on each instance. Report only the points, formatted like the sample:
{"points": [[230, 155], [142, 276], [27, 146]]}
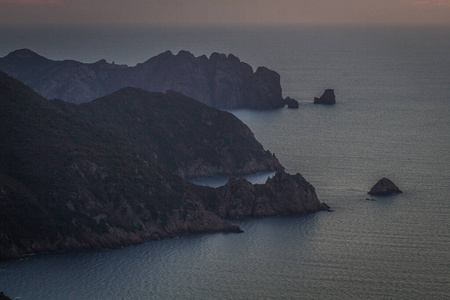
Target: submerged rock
{"points": [[328, 98], [384, 187]]}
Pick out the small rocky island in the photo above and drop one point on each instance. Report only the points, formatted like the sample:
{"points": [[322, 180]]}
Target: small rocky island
{"points": [[327, 98], [384, 187], [291, 103]]}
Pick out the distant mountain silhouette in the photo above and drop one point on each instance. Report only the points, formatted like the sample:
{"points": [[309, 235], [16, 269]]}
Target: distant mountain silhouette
{"points": [[220, 81]]}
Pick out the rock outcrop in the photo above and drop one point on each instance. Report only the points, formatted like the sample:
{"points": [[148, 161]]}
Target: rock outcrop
{"points": [[291, 103], [3, 297], [281, 194], [384, 187], [220, 81], [327, 98], [71, 180]]}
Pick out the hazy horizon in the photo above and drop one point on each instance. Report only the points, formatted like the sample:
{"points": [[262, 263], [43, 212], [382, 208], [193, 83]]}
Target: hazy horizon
{"points": [[389, 12]]}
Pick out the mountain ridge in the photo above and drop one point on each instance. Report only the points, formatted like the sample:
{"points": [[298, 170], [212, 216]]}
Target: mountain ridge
{"points": [[221, 81]]}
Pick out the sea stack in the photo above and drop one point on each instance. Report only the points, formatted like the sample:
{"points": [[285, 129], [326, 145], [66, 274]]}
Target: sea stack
{"points": [[384, 187], [327, 98], [291, 103]]}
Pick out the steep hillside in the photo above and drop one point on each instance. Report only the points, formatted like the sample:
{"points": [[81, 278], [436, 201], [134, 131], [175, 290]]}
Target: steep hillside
{"points": [[183, 135]]}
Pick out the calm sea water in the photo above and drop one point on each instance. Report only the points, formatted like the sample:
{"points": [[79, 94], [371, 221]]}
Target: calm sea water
{"points": [[392, 119]]}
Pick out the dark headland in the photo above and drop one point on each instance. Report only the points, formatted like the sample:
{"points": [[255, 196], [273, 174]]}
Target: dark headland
{"points": [[109, 173]]}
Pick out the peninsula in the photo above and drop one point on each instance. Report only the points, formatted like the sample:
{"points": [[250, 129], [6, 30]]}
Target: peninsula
{"points": [[109, 173]]}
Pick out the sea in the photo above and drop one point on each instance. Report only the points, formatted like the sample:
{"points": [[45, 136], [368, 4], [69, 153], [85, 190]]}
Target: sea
{"points": [[391, 119]]}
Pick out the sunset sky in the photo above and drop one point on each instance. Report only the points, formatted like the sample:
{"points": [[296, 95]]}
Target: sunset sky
{"points": [[225, 11]]}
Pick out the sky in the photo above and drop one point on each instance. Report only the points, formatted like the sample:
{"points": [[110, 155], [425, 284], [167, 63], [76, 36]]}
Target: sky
{"points": [[225, 11]]}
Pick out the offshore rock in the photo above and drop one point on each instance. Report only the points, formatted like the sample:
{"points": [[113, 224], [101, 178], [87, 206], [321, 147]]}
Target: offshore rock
{"points": [[291, 103], [327, 98], [384, 187], [220, 81]]}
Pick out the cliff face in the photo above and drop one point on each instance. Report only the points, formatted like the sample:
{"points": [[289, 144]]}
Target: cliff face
{"points": [[281, 194], [220, 81], [72, 177], [3, 297]]}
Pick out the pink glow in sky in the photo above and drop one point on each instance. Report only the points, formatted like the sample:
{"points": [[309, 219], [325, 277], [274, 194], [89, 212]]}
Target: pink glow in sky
{"points": [[226, 11], [430, 2], [28, 2]]}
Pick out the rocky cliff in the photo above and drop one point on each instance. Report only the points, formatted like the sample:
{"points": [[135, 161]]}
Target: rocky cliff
{"points": [[281, 194], [220, 81], [68, 182]]}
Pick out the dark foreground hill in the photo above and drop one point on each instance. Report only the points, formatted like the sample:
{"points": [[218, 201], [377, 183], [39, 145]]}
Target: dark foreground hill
{"points": [[69, 182], [181, 134], [220, 81]]}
